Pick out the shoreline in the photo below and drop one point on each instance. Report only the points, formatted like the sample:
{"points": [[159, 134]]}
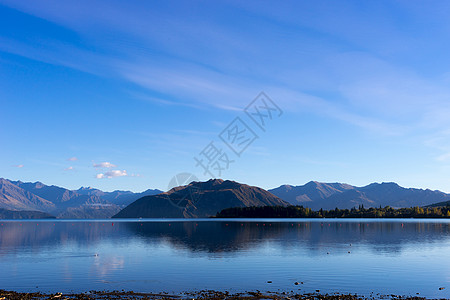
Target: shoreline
{"points": [[204, 294]]}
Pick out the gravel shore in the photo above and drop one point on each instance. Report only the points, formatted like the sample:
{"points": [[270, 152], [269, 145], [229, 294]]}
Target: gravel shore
{"points": [[11, 295]]}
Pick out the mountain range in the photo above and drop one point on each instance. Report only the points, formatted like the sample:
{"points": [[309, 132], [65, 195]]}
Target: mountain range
{"points": [[64, 203], [202, 199], [317, 195]]}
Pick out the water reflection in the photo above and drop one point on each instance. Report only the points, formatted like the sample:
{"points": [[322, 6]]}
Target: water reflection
{"points": [[358, 256], [226, 236], [42, 234]]}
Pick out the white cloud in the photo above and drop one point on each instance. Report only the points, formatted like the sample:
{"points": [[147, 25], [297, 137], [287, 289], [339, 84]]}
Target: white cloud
{"points": [[18, 166], [104, 165], [72, 159], [69, 168], [112, 174]]}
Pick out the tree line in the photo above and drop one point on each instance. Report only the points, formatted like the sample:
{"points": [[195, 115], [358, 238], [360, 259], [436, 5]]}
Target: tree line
{"points": [[360, 212]]}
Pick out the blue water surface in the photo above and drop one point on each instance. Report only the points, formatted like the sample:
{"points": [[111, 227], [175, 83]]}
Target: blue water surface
{"points": [[363, 256]]}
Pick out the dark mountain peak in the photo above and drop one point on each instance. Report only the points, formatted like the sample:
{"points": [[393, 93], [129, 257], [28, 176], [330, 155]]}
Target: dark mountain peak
{"points": [[215, 185], [206, 185], [199, 199], [230, 184], [212, 183], [216, 181]]}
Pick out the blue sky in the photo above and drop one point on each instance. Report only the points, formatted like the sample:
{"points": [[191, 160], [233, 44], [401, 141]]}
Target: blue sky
{"points": [[124, 95]]}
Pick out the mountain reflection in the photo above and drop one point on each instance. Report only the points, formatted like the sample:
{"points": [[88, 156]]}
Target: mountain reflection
{"points": [[316, 237], [229, 236]]}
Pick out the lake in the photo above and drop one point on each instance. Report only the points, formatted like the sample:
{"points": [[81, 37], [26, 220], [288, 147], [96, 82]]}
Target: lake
{"points": [[361, 256]]}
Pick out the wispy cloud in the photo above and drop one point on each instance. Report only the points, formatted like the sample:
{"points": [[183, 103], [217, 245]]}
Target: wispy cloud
{"points": [[18, 166], [72, 159], [112, 174], [316, 63], [192, 82], [69, 168], [104, 165]]}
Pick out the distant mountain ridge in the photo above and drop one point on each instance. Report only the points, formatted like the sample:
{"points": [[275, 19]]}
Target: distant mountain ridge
{"points": [[89, 202], [317, 195], [310, 192], [64, 203], [199, 200], [13, 197], [117, 197]]}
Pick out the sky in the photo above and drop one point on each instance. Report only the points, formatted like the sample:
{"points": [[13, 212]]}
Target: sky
{"points": [[125, 95]]}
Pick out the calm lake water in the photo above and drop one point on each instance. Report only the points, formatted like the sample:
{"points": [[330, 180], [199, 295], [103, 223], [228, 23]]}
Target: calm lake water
{"points": [[332, 255]]}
